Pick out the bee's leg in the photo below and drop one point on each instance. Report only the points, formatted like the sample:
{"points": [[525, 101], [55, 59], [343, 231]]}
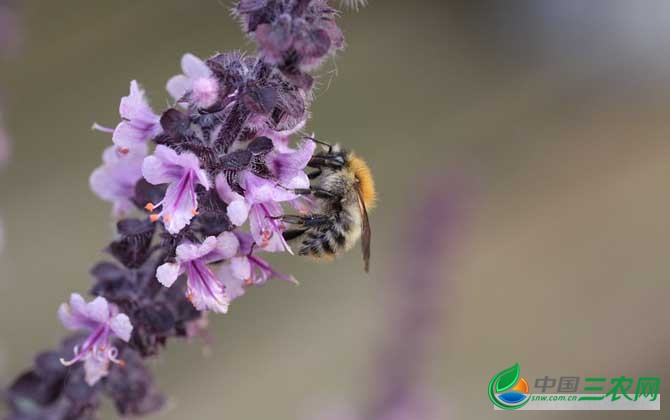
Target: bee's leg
{"points": [[316, 192], [293, 233], [305, 221], [327, 161], [315, 174], [292, 219], [323, 143]]}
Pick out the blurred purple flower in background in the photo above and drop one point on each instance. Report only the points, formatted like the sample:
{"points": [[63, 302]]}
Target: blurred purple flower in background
{"points": [[187, 250], [416, 310]]}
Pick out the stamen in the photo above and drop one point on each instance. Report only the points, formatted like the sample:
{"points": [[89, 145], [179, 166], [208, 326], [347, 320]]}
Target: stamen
{"points": [[195, 212], [123, 150], [112, 356], [154, 217], [167, 218], [150, 206], [264, 267], [77, 358], [68, 363], [102, 128]]}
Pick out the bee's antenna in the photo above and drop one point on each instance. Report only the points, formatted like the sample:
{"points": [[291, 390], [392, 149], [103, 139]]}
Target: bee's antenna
{"points": [[323, 143]]}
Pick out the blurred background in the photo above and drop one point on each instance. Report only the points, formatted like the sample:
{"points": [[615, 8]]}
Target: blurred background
{"points": [[553, 116]]}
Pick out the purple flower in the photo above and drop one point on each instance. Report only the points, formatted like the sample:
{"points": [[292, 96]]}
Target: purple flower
{"points": [[103, 321], [204, 289], [247, 269], [261, 205], [139, 123], [115, 180], [261, 201], [197, 82], [289, 165], [281, 139], [293, 35], [183, 174], [239, 113]]}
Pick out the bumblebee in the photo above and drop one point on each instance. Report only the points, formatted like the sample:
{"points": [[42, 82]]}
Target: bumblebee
{"points": [[344, 191]]}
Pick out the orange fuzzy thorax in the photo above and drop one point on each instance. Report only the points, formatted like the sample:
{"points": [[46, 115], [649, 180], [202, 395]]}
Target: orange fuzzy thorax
{"points": [[367, 184]]}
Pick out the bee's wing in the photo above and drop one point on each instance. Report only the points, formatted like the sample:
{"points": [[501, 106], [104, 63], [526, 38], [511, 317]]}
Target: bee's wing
{"points": [[366, 235]]}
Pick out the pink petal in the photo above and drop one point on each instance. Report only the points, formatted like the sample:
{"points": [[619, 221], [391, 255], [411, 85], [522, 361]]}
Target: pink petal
{"points": [[155, 172], [238, 212], [203, 179], [185, 160], [227, 245], [167, 274], [234, 285], [191, 252], [194, 67], [96, 367], [287, 164], [135, 103], [98, 310], [121, 326], [126, 136], [179, 204], [205, 92], [77, 304], [225, 192], [205, 290], [178, 86], [241, 268], [70, 319], [258, 190], [299, 181]]}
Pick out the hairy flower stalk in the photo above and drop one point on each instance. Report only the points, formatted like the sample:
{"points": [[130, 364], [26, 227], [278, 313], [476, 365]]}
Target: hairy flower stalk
{"points": [[184, 184]]}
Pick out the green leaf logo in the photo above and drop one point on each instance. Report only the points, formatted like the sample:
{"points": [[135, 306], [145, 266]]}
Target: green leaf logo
{"points": [[504, 381], [507, 378]]}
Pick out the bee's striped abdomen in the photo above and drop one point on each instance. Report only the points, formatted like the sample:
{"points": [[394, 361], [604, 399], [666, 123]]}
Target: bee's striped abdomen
{"points": [[327, 240]]}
